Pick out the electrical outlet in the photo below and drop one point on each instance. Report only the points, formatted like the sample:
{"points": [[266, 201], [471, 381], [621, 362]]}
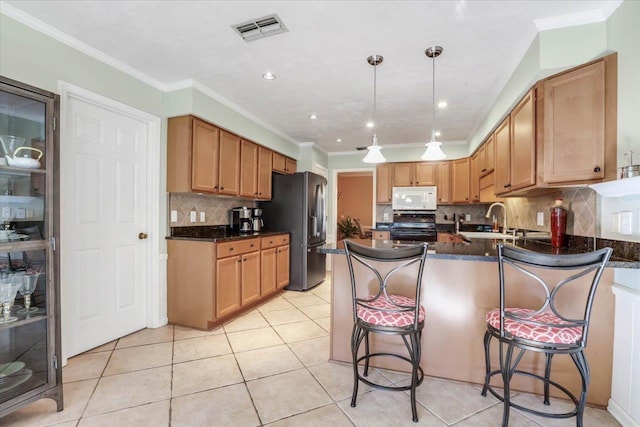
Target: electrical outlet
{"points": [[202, 216], [615, 222], [6, 212], [29, 213], [467, 217], [192, 216], [626, 223], [21, 213], [540, 219], [385, 216], [174, 216]]}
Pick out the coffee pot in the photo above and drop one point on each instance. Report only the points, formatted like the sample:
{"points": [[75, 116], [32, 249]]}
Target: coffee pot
{"points": [[258, 224]]}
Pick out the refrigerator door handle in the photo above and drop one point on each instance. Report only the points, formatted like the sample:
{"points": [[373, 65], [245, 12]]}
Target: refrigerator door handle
{"points": [[314, 226]]}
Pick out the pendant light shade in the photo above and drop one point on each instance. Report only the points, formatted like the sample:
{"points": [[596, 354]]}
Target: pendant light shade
{"points": [[373, 151], [374, 155], [433, 151]]}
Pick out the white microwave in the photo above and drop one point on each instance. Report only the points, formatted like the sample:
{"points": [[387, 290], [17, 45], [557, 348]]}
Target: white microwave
{"points": [[414, 198]]}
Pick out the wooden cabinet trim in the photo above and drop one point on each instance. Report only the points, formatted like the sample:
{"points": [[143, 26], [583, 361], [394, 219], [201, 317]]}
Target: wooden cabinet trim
{"points": [[238, 247]]}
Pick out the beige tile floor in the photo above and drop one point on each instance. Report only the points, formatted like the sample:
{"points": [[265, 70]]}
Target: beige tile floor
{"points": [[268, 367]]}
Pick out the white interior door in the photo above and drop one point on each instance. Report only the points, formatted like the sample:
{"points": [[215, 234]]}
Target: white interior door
{"points": [[104, 259]]}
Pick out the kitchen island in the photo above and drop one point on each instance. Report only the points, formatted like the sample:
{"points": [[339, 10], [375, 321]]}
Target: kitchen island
{"points": [[460, 285]]}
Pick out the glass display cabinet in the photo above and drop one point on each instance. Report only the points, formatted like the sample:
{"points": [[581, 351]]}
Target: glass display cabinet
{"points": [[30, 366]]}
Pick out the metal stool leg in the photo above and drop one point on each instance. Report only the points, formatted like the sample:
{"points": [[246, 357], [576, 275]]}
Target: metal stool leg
{"points": [[356, 339], [366, 352], [487, 362], [583, 367], [547, 375], [507, 373]]}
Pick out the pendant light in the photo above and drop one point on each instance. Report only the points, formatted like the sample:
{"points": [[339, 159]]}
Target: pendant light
{"points": [[374, 155], [433, 151]]}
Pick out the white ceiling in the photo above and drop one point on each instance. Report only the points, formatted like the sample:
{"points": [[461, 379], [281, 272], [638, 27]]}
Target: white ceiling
{"points": [[320, 63]]}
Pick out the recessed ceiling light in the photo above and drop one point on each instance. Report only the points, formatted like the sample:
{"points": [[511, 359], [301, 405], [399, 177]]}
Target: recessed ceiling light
{"points": [[370, 125], [438, 133], [442, 104], [339, 140], [313, 117], [268, 75]]}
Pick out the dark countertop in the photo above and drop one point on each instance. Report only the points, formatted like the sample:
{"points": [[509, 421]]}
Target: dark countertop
{"points": [[480, 249], [215, 234]]}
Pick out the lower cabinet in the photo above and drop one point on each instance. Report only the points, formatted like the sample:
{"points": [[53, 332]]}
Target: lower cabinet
{"points": [[208, 282], [381, 235]]}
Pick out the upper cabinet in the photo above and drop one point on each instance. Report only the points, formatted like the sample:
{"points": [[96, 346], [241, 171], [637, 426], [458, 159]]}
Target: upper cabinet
{"points": [[523, 144], [486, 157], [203, 158], [443, 181], [460, 180], [383, 183], [411, 174], [574, 125], [474, 178], [283, 164], [255, 171], [502, 141]]}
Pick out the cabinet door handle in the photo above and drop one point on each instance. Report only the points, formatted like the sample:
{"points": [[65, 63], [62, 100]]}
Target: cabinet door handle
{"points": [[239, 260], [230, 249], [596, 169], [484, 170]]}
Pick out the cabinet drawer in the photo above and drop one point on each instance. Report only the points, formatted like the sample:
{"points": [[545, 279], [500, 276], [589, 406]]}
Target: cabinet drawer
{"points": [[273, 241], [237, 247]]}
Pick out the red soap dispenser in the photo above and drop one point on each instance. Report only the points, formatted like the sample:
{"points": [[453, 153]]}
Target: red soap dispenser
{"points": [[558, 224]]}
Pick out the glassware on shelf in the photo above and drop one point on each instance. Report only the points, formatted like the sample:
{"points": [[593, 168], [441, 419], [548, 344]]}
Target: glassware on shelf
{"points": [[29, 282], [8, 289]]}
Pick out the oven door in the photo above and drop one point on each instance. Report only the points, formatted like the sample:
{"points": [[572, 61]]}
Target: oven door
{"points": [[413, 234]]}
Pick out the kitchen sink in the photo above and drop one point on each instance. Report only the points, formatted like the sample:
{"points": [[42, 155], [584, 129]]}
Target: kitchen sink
{"points": [[487, 235]]}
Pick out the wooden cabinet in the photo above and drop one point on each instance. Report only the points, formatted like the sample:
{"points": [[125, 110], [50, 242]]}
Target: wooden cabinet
{"points": [[425, 173], [268, 276], [381, 235], [523, 144], [574, 125], [248, 169], [204, 164], [282, 266], [383, 183], [414, 174], [264, 173], [255, 171], [284, 164], [486, 155], [502, 139], [229, 178], [290, 166], [227, 285], [443, 182], [278, 270], [201, 157], [250, 278], [460, 180], [403, 174], [191, 275], [474, 178], [237, 275]]}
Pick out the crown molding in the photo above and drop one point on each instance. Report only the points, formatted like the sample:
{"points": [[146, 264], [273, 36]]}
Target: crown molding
{"points": [[314, 145], [582, 18]]}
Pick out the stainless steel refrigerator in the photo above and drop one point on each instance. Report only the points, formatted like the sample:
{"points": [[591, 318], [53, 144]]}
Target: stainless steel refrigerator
{"points": [[298, 205]]}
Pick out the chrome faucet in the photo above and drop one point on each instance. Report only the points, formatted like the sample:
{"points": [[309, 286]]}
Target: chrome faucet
{"points": [[504, 216]]}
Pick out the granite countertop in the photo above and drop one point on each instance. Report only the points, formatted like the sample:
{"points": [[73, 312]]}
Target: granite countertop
{"points": [[215, 234], [482, 249]]}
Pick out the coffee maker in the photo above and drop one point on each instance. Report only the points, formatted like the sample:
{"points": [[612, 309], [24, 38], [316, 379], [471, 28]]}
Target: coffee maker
{"points": [[241, 221], [258, 224]]}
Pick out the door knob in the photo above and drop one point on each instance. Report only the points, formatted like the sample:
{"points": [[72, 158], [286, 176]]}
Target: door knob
{"points": [[142, 236]]}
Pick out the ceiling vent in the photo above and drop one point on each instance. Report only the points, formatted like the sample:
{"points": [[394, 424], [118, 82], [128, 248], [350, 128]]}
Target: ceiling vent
{"points": [[260, 28]]}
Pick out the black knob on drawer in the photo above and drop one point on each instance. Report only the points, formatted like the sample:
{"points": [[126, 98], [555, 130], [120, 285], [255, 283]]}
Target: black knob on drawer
{"points": [[596, 169]]}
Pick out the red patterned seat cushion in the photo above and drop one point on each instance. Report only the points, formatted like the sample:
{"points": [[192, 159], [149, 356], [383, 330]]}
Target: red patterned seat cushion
{"points": [[375, 316], [534, 332]]}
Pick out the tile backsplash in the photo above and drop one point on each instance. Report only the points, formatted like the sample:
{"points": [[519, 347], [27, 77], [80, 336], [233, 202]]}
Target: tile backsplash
{"points": [[522, 211], [579, 202], [216, 208]]}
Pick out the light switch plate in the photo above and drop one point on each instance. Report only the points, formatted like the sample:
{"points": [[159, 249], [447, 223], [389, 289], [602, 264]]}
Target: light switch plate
{"points": [[6, 212], [540, 218], [467, 217], [615, 222], [192, 216], [626, 223], [385, 216], [174, 216], [202, 216], [21, 213]]}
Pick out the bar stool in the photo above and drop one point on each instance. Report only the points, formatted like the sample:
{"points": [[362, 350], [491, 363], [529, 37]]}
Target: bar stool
{"points": [[382, 312], [549, 329]]}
